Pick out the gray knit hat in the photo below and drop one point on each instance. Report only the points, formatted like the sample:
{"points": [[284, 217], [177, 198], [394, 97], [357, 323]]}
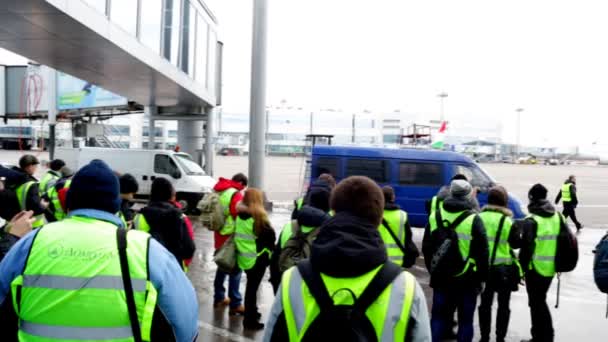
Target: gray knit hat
{"points": [[461, 189]]}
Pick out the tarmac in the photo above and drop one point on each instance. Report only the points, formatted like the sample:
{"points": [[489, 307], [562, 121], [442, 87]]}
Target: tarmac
{"points": [[582, 312]]}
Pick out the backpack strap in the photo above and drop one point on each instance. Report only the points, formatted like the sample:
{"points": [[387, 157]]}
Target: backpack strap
{"points": [[121, 238], [387, 274], [497, 239], [456, 222], [315, 284], [295, 228], [394, 236]]}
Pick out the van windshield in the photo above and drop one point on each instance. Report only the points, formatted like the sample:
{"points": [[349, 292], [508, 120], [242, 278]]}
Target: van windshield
{"points": [[190, 167]]}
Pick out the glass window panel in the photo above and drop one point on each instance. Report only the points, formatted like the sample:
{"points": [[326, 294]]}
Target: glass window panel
{"points": [[99, 5], [211, 62], [201, 50], [150, 24], [192, 41], [327, 165], [124, 14], [420, 174], [172, 30], [378, 170]]}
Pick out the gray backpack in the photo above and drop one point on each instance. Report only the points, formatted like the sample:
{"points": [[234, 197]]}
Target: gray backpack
{"points": [[212, 212], [297, 248]]}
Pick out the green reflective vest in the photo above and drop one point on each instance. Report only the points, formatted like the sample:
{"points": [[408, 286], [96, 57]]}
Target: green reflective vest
{"points": [[566, 194], [246, 248], [299, 203], [48, 181], [22, 192], [464, 231], [504, 253], [72, 289], [545, 249], [140, 223], [287, 232], [389, 313], [434, 204], [53, 196], [396, 220], [225, 199]]}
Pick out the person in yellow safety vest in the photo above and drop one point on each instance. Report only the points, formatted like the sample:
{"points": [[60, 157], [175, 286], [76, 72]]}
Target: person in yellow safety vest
{"points": [[396, 232], [505, 270], [455, 249], [51, 176], [349, 270], [28, 191], [165, 222], [128, 189], [230, 191], [568, 195], [87, 278], [254, 239], [325, 180], [539, 246], [55, 210], [309, 219], [444, 192]]}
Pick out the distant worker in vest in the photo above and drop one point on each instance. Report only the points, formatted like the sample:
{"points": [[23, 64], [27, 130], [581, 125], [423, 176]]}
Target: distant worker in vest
{"points": [[254, 238], [28, 191], [569, 198], [537, 255], [55, 211], [396, 232], [303, 229], [325, 180], [8, 198], [505, 271], [455, 249], [230, 191], [128, 188], [87, 278], [51, 176], [161, 219], [349, 270], [444, 192]]}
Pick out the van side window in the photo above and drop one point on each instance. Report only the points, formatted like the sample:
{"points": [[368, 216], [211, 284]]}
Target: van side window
{"points": [[420, 174], [164, 165], [474, 175], [378, 170], [327, 165]]}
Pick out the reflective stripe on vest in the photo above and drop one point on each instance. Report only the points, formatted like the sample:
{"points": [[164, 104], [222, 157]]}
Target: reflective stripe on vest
{"points": [[396, 220], [543, 259], [48, 181], [246, 248], [225, 199], [491, 221], [72, 274], [566, 195], [53, 196], [463, 231], [22, 192], [434, 204], [389, 314]]}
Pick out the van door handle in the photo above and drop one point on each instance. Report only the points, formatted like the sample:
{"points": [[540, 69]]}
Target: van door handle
{"points": [[144, 177]]}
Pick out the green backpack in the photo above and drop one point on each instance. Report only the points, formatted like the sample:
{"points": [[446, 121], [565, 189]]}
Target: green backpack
{"points": [[212, 212], [297, 248]]}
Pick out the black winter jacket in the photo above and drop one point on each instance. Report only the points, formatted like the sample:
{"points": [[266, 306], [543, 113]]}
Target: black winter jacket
{"points": [[169, 229], [528, 228], [478, 251], [306, 216]]}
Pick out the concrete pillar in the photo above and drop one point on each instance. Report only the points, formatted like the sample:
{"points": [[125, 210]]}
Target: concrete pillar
{"points": [[150, 112], [257, 121], [190, 138], [210, 138]]}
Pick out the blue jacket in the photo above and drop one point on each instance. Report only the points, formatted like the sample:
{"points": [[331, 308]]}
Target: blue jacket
{"points": [[177, 300]]}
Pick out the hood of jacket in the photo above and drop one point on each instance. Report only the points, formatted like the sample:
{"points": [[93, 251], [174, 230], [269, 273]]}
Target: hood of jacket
{"points": [[225, 184], [347, 247], [542, 208], [391, 206], [455, 205], [162, 216], [498, 209], [311, 217]]}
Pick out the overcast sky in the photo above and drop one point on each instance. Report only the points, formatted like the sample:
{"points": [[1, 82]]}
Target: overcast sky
{"points": [[549, 57]]}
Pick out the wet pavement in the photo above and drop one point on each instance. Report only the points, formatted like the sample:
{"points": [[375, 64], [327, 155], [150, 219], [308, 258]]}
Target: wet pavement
{"points": [[581, 315]]}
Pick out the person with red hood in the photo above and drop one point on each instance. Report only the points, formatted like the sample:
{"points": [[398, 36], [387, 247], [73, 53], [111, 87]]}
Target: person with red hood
{"points": [[230, 192]]}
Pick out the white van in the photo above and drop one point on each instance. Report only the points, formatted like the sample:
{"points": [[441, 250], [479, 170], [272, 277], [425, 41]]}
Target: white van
{"points": [[188, 178]]}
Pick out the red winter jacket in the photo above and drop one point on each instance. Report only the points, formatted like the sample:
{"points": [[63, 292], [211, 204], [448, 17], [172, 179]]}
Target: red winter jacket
{"points": [[188, 226], [222, 185]]}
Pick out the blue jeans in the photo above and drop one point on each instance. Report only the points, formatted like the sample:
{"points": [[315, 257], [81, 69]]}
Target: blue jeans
{"points": [[444, 304], [234, 280]]}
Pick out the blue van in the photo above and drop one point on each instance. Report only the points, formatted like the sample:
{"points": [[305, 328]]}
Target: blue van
{"points": [[416, 175]]}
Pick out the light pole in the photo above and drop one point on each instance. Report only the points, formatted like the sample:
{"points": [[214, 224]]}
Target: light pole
{"points": [[442, 97], [518, 110]]}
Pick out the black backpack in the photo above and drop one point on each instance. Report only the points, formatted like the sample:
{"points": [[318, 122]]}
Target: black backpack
{"points": [[447, 261], [344, 322], [566, 256]]}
